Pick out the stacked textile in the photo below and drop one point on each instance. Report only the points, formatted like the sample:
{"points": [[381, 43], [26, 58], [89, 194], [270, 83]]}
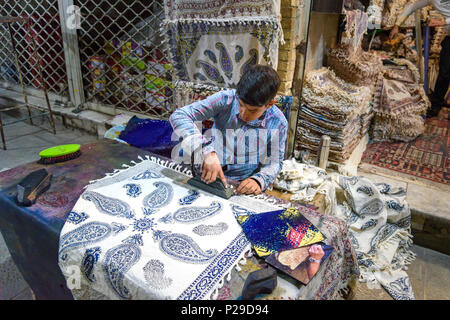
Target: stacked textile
{"points": [[360, 69], [399, 103], [335, 108], [213, 42]]}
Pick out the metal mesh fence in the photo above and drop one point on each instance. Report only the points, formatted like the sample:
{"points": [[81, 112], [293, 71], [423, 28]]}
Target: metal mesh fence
{"points": [[122, 57], [45, 27]]}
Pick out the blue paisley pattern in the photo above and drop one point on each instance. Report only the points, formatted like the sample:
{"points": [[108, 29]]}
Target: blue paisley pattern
{"points": [[111, 206], [147, 174], [382, 234], [154, 275], [372, 208], [195, 214], [76, 218], [190, 198], [134, 239], [240, 211], [369, 224], [118, 227], [391, 204], [225, 61], [239, 53], [133, 190], [400, 289], [90, 258], [184, 248], [88, 233], [211, 55], [208, 230], [158, 198], [118, 261], [366, 189]]}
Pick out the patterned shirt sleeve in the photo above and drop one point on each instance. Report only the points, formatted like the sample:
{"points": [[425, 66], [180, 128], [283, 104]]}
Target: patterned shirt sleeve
{"points": [[269, 172], [184, 120]]}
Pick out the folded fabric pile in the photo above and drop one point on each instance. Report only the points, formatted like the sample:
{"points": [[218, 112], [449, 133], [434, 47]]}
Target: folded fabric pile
{"points": [[359, 69], [399, 103], [335, 108]]}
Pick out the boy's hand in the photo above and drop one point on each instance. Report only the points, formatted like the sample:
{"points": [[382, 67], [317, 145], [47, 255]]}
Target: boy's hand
{"points": [[249, 186], [212, 169]]}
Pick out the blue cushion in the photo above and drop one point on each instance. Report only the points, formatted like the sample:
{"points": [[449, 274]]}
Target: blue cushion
{"points": [[148, 134]]}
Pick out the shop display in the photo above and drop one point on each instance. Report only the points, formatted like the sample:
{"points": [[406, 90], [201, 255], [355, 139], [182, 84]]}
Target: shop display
{"points": [[399, 103], [335, 108]]}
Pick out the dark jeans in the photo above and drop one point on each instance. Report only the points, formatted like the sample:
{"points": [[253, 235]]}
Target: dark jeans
{"points": [[443, 80]]}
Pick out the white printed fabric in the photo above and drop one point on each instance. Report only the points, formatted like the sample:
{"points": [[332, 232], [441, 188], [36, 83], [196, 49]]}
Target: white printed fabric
{"points": [[139, 234], [379, 222]]}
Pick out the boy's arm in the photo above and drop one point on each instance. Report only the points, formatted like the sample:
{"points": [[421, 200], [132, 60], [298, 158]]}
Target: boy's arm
{"points": [[269, 172], [183, 120]]}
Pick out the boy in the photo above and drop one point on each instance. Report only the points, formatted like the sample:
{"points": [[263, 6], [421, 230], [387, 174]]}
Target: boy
{"points": [[246, 122]]}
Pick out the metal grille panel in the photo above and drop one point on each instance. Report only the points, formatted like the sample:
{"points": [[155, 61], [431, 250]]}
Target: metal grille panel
{"points": [[45, 27], [122, 57]]}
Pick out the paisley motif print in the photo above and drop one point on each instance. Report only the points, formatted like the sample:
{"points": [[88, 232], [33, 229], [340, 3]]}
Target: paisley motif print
{"points": [[240, 211], [111, 206], [191, 197], [239, 53], [118, 227], [90, 258], [382, 235], [366, 189], [154, 275], [369, 224], [373, 207], [134, 239], [147, 174], [195, 214], [133, 190], [210, 71], [158, 198], [391, 204], [225, 61], [88, 233], [183, 248], [384, 187], [209, 230], [251, 61], [76, 218], [400, 289], [211, 55], [118, 261]]}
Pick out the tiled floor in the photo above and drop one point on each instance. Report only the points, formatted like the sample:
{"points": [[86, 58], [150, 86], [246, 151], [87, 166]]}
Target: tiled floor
{"points": [[429, 273]]}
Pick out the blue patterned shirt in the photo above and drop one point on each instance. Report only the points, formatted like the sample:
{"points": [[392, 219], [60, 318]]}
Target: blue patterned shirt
{"points": [[248, 149]]}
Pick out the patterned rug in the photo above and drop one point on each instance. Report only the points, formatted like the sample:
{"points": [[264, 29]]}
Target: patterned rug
{"points": [[426, 158]]}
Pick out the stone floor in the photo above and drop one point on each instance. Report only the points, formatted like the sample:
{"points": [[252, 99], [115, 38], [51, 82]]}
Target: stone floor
{"points": [[429, 273]]}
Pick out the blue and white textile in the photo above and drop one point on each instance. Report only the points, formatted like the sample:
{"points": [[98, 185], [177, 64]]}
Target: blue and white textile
{"points": [[141, 233]]}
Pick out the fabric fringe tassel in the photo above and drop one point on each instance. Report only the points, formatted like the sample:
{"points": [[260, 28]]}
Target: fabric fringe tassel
{"points": [[241, 261]]}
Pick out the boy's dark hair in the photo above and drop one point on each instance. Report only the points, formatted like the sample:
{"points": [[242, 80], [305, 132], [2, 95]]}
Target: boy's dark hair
{"points": [[258, 85]]}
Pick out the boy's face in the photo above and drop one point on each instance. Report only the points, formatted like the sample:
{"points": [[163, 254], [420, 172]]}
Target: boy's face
{"points": [[249, 113]]}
